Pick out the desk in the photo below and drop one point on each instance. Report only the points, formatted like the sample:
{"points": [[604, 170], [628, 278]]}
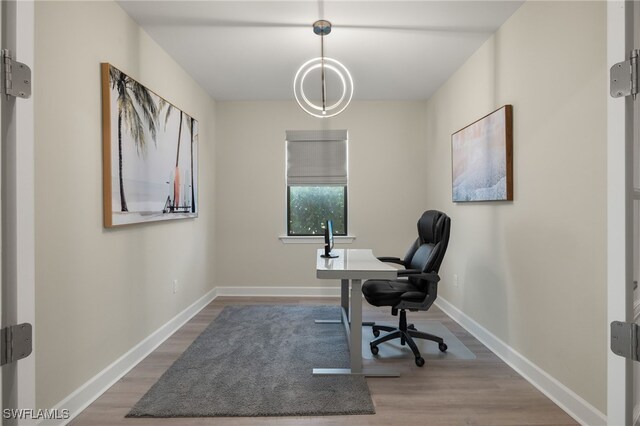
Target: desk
{"points": [[355, 265]]}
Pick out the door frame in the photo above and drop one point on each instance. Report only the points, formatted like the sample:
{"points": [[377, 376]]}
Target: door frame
{"points": [[18, 209], [619, 392], [619, 251]]}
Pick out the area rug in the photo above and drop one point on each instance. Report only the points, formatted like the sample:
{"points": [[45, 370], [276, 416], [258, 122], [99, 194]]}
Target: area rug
{"points": [[258, 361]]}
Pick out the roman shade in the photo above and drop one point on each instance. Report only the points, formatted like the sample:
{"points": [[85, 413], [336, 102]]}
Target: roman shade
{"points": [[317, 157]]}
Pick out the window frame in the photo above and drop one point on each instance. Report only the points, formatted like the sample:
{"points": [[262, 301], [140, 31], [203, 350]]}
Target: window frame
{"points": [[346, 214]]}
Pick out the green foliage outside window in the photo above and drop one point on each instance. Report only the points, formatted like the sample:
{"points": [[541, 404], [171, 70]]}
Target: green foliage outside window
{"points": [[311, 206]]}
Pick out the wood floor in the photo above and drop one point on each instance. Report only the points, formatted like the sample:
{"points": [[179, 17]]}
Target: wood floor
{"points": [[483, 391]]}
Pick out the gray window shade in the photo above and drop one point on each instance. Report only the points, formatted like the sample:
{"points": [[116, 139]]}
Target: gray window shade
{"points": [[316, 157]]}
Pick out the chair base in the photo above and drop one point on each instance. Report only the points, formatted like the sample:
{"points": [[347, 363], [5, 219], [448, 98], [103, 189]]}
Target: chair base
{"points": [[406, 334]]}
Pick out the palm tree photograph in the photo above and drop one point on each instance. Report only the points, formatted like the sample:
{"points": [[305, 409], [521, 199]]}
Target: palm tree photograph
{"points": [[150, 154]]}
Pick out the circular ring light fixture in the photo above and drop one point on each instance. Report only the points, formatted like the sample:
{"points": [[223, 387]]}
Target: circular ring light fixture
{"points": [[325, 64], [323, 111]]}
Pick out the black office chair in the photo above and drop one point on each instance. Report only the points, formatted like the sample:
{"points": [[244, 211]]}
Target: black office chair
{"points": [[417, 288]]}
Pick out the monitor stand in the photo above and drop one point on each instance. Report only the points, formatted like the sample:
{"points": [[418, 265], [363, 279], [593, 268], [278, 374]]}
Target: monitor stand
{"points": [[329, 256]]}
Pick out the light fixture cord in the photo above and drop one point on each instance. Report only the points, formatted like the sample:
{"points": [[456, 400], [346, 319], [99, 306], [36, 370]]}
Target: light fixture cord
{"points": [[324, 87]]}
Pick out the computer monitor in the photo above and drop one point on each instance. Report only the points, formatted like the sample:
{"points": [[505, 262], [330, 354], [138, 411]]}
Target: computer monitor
{"points": [[328, 240]]}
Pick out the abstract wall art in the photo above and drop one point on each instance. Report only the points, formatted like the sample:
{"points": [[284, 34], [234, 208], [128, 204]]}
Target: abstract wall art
{"points": [[482, 158], [150, 154]]}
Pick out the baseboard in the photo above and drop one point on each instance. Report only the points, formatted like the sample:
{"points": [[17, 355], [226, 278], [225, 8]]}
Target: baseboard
{"points": [[565, 398], [242, 291], [97, 385], [82, 397]]}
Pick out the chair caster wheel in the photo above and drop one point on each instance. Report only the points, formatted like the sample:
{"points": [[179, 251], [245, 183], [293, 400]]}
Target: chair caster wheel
{"points": [[376, 333], [419, 361], [411, 327], [443, 347], [374, 350]]}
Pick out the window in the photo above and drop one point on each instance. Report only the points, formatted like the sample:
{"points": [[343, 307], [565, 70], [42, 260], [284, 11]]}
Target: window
{"points": [[316, 181]]}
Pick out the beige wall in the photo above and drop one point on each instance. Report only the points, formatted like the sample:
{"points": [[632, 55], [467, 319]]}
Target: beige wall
{"points": [[386, 186], [100, 292], [533, 271]]}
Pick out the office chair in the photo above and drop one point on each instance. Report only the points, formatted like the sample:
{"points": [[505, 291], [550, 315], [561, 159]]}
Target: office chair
{"points": [[417, 286]]}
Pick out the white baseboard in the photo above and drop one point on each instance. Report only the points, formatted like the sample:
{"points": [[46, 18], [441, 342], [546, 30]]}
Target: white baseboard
{"points": [[324, 291], [82, 397], [97, 385], [565, 398]]}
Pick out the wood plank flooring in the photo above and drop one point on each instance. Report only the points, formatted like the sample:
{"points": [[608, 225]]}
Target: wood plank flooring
{"points": [[483, 391]]}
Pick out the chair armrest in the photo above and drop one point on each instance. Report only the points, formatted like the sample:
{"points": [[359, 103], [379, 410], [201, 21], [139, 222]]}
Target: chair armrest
{"points": [[408, 302], [396, 260], [431, 277], [406, 272]]}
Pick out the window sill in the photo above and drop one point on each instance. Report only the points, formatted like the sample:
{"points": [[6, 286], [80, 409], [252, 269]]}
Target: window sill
{"points": [[338, 239]]}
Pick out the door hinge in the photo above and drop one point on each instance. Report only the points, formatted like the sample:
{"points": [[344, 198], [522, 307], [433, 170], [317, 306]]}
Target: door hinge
{"points": [[624, 339], [623, 77], [16, 77], [16, 343]]}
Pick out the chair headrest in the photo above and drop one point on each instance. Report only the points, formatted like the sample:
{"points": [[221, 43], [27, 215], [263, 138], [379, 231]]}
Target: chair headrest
{"points": [[430, 227]]}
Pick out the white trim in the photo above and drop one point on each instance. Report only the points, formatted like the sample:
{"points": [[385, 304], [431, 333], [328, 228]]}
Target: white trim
{"points": [[565, 398], [338, 239], [24, 210], [618, 389], [328, 291], [82, 397], [86, 394]]}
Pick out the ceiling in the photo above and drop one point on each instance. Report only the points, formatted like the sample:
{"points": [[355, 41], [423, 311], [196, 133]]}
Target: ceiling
{"points": [[251, 50]]}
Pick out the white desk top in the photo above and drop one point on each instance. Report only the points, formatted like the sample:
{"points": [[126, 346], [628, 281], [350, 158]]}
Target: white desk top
{"points": [[353, 264]]}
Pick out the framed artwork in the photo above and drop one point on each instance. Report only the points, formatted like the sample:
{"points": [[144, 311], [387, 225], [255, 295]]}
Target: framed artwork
{"points": [[482, 158], [150, 154]]}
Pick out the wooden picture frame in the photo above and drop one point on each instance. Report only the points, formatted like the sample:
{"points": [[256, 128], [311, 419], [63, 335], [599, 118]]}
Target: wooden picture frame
{"points": [[482, 158], [150, 154]]}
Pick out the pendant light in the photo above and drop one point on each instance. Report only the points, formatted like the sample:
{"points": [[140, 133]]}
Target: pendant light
{"points": [[325, 65]]}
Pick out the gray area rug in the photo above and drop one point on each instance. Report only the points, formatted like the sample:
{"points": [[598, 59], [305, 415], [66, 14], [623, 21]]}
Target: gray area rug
{"points": [[258, 361]]}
